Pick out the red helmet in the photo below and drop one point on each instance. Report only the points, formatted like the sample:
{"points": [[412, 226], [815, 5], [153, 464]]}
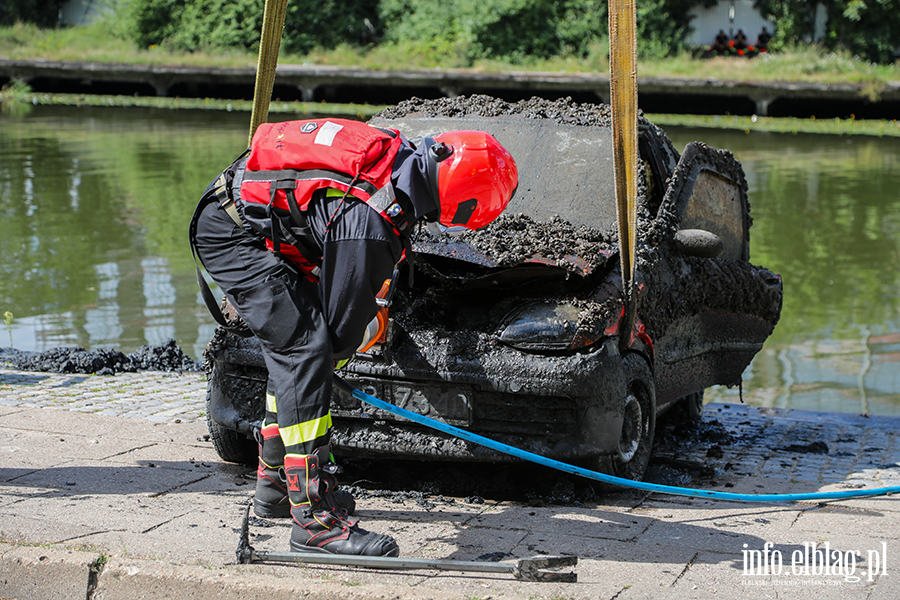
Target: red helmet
{"points": [[472, 176]]}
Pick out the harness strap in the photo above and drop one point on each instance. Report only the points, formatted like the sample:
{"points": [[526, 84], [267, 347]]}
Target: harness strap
{"points": [[383, 200], [389, 132], [205, 292], [225, 202], [301, 233], [312, 175]]}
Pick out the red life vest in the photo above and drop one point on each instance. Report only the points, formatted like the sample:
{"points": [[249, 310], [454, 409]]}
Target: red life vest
{"points": [[289, 161]]}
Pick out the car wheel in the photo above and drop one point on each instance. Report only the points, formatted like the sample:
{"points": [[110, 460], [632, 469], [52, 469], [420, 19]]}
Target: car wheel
{"points": [[639, 423], [230, 445]]}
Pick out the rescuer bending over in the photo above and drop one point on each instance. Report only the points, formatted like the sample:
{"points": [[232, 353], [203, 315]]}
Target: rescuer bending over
{"points": [[301, 232]]}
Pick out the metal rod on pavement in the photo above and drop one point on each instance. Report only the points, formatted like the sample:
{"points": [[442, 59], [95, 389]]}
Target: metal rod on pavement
{"points": [[526, 569]]}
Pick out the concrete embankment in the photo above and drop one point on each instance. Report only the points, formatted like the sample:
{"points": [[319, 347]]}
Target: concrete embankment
{"points": [[110, 489], [355, 85]]}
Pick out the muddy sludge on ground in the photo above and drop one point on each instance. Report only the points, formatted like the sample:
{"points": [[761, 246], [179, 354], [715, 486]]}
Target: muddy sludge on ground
{"points": [[434, 483], [168, 357]]}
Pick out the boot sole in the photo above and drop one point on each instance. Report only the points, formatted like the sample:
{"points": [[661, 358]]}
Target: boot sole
{"points": [[394, 552], [265, 510], [309, 550]]}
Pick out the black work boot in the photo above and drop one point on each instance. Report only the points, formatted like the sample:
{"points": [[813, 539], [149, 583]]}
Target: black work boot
{"points": [[320, 525], [271, 499]]}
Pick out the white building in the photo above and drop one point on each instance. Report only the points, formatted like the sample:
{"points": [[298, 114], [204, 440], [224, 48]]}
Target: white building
{"points": [[80, 12]]}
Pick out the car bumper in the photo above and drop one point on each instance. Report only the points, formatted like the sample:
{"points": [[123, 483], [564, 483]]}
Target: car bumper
{"points": [[562, 407]]}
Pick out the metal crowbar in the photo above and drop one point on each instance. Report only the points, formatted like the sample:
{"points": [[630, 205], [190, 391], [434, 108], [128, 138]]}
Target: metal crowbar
{"points": [[524, 569]]}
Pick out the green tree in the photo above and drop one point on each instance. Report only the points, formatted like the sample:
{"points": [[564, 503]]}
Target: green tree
{"points": [[794, 20], [517, 30], [190, 25], [869, 29], [329, 23], [662, 26], [513, 30], [154, 22]]}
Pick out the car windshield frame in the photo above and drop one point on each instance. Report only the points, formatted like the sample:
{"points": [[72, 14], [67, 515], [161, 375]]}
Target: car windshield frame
{"points": [[564, 169]]}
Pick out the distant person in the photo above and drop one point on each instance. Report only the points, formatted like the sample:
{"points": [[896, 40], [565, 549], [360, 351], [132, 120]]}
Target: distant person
{"points": [[740, 40], [720, 44], [762, 41]]}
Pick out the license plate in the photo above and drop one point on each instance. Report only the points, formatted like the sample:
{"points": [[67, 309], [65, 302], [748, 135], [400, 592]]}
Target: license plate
{"points": [[448, 405]]}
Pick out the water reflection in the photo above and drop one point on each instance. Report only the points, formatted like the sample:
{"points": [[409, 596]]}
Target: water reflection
{"points": [[102, 323], [96, 202], [96, 205], [159, 296], [826, 217]]}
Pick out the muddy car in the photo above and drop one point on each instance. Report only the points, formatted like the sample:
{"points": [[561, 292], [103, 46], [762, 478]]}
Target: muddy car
{"points": [[518, 332]]}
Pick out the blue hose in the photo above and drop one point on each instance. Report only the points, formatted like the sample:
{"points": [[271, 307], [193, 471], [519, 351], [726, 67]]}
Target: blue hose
{"points": [[602, 477]]}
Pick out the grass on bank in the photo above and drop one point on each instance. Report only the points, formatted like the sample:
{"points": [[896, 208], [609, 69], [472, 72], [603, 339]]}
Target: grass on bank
{"points": [[20, 98], [105, 42], [782, 125]]}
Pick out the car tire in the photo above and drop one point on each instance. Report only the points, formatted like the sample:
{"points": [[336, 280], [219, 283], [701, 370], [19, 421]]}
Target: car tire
{"points": [[684, 412], [692, 407], [230, 445], [639, 426]]}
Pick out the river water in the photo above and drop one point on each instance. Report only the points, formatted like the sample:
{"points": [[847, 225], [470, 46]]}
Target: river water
{"points": [[96, 204]]}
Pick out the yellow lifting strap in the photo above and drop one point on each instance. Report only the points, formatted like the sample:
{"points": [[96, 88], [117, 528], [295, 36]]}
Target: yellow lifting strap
{"points": [[269, 45], [623, 100]]}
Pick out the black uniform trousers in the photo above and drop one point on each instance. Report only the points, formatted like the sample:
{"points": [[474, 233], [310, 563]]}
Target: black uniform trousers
{"points": [[302, 325]]}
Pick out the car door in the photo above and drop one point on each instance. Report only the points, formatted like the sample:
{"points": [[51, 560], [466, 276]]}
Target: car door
{"points": [[707, 309]]}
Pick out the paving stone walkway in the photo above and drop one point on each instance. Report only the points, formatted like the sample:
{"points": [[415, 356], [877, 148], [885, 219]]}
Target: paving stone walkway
{"points": [[94, 505], [150, 395], [740, 441]]}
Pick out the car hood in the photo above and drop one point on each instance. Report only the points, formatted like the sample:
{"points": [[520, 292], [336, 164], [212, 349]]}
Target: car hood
{"points": [[517, 243], [467, 253], [563, 214]]}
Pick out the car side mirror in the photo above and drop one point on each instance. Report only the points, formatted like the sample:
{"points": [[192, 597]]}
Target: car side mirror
{"points": [[699, 243]]}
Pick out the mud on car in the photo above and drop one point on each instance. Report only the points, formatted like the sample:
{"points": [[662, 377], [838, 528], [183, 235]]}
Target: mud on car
{"points": [[517, 332]]}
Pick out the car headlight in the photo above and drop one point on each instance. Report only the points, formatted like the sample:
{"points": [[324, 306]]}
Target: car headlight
{"points": [[551, 327]]}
